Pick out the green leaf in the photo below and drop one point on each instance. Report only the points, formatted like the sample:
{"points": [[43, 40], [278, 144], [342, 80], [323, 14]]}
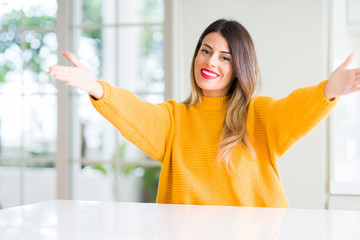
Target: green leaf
{"points": [[99, 167]]}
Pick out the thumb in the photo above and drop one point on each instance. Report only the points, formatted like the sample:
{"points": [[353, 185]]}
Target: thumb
{"points": [[349, 60], [72, 58]]}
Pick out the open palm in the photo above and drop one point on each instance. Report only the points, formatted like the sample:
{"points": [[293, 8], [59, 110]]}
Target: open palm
{"points": [[343, 80], [78, 76]]}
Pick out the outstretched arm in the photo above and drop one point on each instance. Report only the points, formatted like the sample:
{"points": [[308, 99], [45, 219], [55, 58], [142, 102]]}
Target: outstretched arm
{"points": [[291, 118], [77, 76], [148, 126], [343, 80]]}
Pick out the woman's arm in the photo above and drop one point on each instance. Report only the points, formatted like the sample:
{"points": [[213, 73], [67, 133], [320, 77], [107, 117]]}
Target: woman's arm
{"points": [[146, 125], [149, 126], [293, 117]]}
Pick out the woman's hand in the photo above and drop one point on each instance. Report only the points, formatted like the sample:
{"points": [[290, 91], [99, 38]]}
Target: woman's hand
{"points": [[343, 80], [78, 76]]}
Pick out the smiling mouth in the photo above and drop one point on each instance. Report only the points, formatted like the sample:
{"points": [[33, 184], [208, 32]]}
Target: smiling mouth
{"points": [[208, 74]]}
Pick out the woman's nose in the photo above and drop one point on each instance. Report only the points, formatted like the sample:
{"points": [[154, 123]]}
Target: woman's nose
{"points": [[212, 61]]}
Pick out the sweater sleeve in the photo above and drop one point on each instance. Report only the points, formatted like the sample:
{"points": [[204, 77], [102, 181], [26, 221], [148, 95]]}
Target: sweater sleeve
{"points": [[293, 117], [146, 125]]}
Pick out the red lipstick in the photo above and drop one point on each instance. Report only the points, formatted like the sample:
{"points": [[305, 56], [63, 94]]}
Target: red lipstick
{"points": [[208, 74]]}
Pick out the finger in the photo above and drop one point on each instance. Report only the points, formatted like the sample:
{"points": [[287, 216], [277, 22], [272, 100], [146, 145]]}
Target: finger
{"points": [[356, 84], [54, 73], [357, 71], [357, 80], [51, 69], [72, 58], [59, 68], [356, 88], [61, 77], [349, 60]]}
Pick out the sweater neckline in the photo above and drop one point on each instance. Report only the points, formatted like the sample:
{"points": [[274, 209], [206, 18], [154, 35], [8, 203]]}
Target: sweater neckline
{"points": [[212, 103]]}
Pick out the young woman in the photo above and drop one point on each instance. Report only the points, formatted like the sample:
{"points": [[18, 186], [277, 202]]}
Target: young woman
{"points": [[222, 145]]}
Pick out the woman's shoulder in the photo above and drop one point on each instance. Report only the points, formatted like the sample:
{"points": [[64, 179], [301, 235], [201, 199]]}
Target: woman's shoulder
{"points": [[173, 103], [260, 101], [173, 106]]}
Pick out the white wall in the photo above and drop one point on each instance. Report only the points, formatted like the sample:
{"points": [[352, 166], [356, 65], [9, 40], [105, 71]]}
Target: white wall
{"points": [[291, 41]]}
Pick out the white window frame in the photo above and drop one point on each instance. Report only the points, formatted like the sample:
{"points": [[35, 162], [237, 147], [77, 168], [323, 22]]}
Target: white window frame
{"points": [[63, 31], [345, 44]]}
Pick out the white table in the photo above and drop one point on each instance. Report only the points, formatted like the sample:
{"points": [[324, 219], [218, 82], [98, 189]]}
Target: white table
{"points": [[114, 220]]}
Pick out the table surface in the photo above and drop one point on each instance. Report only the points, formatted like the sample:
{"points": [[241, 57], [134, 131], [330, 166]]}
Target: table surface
{"points": [[66, 219]]}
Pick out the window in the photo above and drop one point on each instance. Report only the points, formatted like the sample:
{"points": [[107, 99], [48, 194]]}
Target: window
{"points": [[345, 130], [28, 101], [122, 42]]}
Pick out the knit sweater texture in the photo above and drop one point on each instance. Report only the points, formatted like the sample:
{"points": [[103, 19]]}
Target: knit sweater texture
{"points": [[185, 141]]}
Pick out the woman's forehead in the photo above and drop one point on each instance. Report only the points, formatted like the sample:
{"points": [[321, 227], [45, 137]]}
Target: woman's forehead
{"points": [[216, 41]]}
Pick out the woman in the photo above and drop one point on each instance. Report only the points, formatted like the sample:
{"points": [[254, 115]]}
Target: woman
{"points": [[222, 145]]}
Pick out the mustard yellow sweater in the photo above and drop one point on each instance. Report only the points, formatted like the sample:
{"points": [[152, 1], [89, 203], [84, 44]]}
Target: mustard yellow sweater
{"points": [[185, 140]]}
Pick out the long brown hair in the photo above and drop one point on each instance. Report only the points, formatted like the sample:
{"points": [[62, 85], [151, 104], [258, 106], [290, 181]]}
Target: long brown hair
{"points": [[246, 82]]}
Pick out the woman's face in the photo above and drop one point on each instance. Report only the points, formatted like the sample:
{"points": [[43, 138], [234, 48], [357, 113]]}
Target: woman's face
{"points": [[213, 66]]}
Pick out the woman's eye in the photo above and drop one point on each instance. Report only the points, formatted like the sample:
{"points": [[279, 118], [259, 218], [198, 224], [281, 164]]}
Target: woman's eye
{"points": [[225, 59], [205, 51]]}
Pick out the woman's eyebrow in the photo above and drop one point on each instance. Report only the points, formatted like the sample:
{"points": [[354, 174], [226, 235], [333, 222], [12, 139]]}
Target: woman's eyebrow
{"points": [[212, 49]]}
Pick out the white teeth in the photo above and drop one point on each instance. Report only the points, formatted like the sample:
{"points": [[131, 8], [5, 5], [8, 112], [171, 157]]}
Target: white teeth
{"points": [[209, 73]]}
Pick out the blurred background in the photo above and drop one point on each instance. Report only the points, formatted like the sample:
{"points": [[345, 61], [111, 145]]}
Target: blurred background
{"points": [[54, 145], [122, 42]]}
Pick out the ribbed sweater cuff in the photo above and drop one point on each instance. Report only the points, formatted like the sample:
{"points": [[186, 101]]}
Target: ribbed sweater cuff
{"points": [[106, 95], [321, 93]]}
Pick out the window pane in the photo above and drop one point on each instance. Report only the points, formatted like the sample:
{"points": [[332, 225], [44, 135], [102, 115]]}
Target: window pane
{"points": [[38, 56], [138, 184], [10, 16], [128, 152], [10, 58], [40, 130], [89, 49], [11, 125], [39, 182], [93, 182], [346, 138], [91, 10], [9, 185], [141, 59], [94, 137], [96, 50], [40, 13], [98, 11], [141, 11]]}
